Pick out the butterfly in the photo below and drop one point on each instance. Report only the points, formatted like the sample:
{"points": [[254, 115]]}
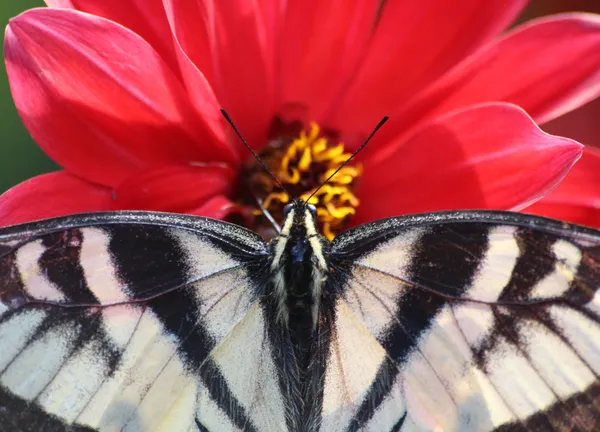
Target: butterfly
{"points": [[452, 321]]}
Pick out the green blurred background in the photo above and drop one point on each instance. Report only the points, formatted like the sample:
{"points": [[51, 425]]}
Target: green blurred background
{"points": [[20, 158]]}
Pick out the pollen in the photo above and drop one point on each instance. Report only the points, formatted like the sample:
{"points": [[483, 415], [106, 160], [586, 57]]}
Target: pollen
{"points": [[302, 164]]}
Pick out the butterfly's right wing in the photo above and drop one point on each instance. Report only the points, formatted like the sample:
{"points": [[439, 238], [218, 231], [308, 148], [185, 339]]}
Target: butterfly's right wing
{"points": [[466, 321], [108, 322]]}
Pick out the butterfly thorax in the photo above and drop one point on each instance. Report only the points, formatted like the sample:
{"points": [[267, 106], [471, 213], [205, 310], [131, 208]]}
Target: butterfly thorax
{"points": [[299, 267]]}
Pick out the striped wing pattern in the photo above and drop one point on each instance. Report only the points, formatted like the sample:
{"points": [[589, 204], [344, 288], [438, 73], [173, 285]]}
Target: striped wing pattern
{"points": [[492, 323], [467, 321], [111, 326]]}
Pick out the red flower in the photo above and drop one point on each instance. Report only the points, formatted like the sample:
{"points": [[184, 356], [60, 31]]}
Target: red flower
{"points": [[125, 95]]}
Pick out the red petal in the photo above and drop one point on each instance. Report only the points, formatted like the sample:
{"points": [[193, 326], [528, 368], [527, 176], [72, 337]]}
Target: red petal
{"points": [[217, 207], [320, 45], [173, 188], [145, 17], [227, 42], [51, 195], [413, 45], [577, 197], [100, 101], [488, 156], [548, 67]]}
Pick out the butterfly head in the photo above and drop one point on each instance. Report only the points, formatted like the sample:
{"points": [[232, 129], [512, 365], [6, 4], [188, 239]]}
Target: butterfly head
{"points": [[298, 210], [299, 223]]}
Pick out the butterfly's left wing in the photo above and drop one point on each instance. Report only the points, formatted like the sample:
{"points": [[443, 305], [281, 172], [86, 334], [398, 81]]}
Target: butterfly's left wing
{"points": [[466, 321], [133, 321]]}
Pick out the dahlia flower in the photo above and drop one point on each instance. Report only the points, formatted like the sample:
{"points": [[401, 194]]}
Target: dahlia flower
{"points": [[125, 96]]}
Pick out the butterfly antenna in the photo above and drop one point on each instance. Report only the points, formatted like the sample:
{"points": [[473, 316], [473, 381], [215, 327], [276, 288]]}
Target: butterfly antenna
{"points": [[252, 151], [381, 123]]}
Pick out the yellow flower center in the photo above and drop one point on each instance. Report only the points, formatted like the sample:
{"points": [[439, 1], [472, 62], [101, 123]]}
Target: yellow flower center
{"points": [[302, 165]]}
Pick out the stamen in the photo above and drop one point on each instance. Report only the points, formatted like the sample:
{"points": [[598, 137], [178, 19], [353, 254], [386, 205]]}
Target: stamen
{"points": [[301, 165], [282, 197]]}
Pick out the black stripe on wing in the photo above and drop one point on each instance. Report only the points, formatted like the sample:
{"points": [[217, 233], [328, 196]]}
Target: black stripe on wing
{"points": [[438, 263], [178, 310], [441, 266], [61, 264], [584, 287], [12, 288], [148, 260], [535, 262], [378, 392], [577, 413], [81, 332], [221, 394], [17, 415]]}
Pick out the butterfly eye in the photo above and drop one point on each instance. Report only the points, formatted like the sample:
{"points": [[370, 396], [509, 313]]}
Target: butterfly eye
{"points": [[312, 209], [287, 209]]}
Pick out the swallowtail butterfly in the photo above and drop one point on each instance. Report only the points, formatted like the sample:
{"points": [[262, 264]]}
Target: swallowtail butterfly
{"points": [[455, 321]]}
